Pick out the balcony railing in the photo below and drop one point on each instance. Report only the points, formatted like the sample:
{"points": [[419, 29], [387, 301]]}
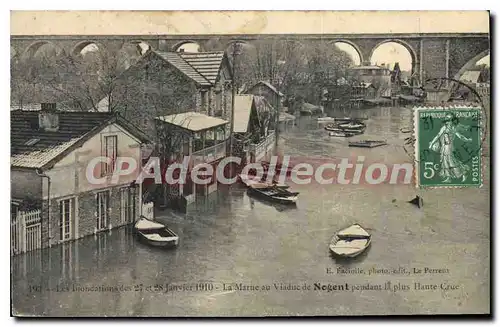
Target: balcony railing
{"points": [[259, 149], [209, 154]]}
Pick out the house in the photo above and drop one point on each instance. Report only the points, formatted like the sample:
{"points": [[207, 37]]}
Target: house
{"points": [[61, 190], [379, 76], [364, 91], [160, 83], [254, 127], [200, 137], [216, 68], [268, 91]]}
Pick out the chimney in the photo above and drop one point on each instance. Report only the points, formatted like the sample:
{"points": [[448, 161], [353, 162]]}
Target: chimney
{"points": [[48, 118]]}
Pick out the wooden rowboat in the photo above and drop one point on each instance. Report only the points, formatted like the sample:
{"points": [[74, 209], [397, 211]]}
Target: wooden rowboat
{"points": [[155, 234], [340, 134], [326, 119], [350, 242], [273, 193], [250, 180], [352, 128], [367, 143]]}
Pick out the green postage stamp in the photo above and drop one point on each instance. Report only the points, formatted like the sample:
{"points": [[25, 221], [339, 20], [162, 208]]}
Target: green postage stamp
{"points": [[448, 146]]}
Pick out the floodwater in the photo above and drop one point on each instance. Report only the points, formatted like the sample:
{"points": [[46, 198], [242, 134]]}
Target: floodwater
{"points": [[230, 238]]}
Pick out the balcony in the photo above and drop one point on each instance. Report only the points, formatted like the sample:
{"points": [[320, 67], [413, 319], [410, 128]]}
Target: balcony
{"points": [[204, 139], [210, 154]]}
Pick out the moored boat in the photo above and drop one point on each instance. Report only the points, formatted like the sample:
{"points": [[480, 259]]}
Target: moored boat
{"points": [[344, 120], [326, 119], [340, 134], [353, 127], [250, 180], [155, 234], [350, 242], [367, 143], [273, 193]]}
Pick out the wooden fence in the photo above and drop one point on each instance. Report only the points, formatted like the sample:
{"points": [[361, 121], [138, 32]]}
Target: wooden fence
{"points": [[258, 151], [26, 232]]}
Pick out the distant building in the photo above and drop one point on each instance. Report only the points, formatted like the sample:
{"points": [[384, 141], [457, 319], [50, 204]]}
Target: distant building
{"points": [[268, 91], [363, 91], [376, 75]]}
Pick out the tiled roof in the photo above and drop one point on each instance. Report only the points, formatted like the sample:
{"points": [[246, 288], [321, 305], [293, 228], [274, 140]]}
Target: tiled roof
{"points": [[207, 63], [178, 62], [193, 121], [35, 148], [242, 109]]}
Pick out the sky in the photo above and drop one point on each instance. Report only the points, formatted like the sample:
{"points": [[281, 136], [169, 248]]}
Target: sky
{"points": [[92, 47], [190, 47], [391, 53], [387, 53], [485, 60]]}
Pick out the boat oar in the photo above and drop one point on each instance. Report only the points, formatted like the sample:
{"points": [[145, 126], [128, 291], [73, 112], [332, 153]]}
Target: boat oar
{"points": [[417, 201]]}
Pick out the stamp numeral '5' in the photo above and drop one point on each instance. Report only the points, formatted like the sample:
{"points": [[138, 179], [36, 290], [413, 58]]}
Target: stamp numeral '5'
{"points": [[448, 147]]}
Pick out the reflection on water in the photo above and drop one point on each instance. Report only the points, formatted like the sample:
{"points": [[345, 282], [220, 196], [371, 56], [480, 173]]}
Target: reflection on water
{"points": [[230, 237]]}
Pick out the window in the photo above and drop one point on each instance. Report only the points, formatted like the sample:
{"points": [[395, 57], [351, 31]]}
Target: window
{"points": [[102, 205], [110, 151], [204, 100], [66, 216], [127, 204], [218, 104], [14, 210]]}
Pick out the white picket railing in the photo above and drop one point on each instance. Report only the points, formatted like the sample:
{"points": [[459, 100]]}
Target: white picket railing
{"points": [[148, 210], [259, 150], [26, 232], [209, 154]]}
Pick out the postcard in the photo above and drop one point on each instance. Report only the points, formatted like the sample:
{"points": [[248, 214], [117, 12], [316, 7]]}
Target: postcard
{"points": [[250, 163]]}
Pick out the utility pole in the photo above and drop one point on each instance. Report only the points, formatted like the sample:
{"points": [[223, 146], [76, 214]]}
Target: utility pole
{"points": [[236, 52], [277, 120], [278, 105]]}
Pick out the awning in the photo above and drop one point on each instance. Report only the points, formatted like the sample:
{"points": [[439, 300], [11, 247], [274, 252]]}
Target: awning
{"points": [[242, 109], [193, 121]]}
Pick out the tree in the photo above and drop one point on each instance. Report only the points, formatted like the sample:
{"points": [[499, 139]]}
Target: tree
{"points": [[302, 71], [76, 81]]}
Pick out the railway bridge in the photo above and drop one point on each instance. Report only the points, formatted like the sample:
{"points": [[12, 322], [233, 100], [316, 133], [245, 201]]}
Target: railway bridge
{"points": [[433, 55]]}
